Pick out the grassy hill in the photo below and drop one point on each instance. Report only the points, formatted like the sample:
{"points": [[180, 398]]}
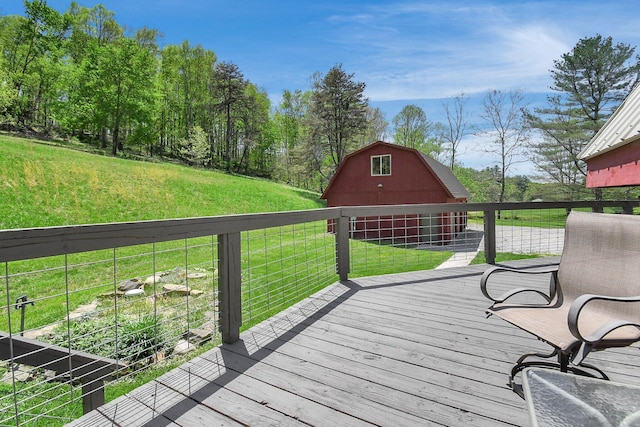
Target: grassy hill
{"points": [[45, 185]]}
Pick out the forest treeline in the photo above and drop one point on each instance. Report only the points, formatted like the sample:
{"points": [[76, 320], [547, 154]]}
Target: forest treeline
{"points": [[79, 74]]}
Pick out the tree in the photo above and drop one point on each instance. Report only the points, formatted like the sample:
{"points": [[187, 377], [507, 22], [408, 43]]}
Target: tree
{"points": [[521, 184], [596, 76], [123, 90], [555, 153], [507, 131], [195, 148], [33, 52], [456, 126], [188, 94], [8, 92], [414, 130], [79, 99], [230, 90], [376, 126], [292, 129], [592, 80], [255, 145], [339, 109], [411, 127], [91, 27]]}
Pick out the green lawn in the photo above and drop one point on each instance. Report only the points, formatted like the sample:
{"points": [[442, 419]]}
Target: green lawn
{"points": [[503, 256], [546, 218], [43, 185]]}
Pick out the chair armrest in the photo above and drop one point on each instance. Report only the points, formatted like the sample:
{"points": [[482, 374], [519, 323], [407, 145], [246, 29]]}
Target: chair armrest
{"points": [[590, 341], [601, 332], [552, 289]]}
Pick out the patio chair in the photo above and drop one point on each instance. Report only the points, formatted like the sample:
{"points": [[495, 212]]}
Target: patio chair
{"points": [[593, 301]]}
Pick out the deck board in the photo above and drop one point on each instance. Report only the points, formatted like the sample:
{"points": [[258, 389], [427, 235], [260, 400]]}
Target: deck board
{"points": [[401, 350]]}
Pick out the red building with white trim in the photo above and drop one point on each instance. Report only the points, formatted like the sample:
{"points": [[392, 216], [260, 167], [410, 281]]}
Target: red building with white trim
{"points": [[389, 174], [613, 155]]}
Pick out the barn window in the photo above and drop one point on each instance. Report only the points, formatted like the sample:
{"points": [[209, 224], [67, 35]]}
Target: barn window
{"points": [[381, 165]]}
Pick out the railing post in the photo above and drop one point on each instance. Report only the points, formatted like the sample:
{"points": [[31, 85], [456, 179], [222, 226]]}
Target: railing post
{"points": [[229, 286], [597, 207], [342, 247], [92, 395], [627, 208], [490, 236]]}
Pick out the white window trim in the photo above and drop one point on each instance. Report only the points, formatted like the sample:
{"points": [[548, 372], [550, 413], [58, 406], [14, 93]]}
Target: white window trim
{"points": [[381, 156]]}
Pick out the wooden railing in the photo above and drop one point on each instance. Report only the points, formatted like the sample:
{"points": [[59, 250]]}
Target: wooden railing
{"points": [[28, 244], [23, 244]]}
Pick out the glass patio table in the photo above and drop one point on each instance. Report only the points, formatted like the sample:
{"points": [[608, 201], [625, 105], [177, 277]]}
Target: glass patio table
{"points": [[561, 399]]}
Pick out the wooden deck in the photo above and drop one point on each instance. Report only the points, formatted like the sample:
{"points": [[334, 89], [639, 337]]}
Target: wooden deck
{"points": [[400, 350]]}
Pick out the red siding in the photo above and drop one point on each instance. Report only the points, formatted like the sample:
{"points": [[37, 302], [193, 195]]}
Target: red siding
{"points": [[410, 181], [616, 168]]}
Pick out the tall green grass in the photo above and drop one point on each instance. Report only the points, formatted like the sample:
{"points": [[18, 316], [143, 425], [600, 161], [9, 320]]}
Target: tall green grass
{"points": [[43, 185]]}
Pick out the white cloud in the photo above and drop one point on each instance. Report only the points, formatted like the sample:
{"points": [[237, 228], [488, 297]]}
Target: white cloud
{"points": [[417, 51]]}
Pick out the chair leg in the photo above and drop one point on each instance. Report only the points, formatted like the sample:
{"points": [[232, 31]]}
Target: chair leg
{"points": [[562, 363], [521, 364], [579, 371]]}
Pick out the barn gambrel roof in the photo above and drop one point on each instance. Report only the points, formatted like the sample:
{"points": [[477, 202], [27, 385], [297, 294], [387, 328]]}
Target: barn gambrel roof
{"points": [[441, 172], [446, 176]]}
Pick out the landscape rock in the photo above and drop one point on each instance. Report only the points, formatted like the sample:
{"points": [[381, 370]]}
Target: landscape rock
{"points": [[84, 310], [158, 356], [134, 292], [182, 290], [21, 373], [201, 334], [195, 276], [172, 276], [128, 285], [183, 347], [111, 294], [49, 374], [173, 289], [156, 278]]}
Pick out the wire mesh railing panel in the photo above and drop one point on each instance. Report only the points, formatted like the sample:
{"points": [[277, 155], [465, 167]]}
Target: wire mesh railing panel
{"points": [[531, 232], [391, 244], [134, 307], [35, 299], [283, 265]]}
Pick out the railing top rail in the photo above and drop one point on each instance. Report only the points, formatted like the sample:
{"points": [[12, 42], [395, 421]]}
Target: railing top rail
{"points": [[356, 211], [31, 243]]}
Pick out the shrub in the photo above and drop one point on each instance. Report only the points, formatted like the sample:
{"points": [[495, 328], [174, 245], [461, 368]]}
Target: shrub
{"points": [[136, 339]]}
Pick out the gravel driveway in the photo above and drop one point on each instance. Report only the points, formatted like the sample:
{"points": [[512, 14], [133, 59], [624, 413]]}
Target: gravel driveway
{"points": [[519, 240], [525, 240]]}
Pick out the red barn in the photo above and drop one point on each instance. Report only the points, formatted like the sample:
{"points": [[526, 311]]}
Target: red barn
{"points": [[613, 155], [388, 174]]}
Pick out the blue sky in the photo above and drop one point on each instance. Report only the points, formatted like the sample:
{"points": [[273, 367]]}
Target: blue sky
{"points": [[407, 52]]}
